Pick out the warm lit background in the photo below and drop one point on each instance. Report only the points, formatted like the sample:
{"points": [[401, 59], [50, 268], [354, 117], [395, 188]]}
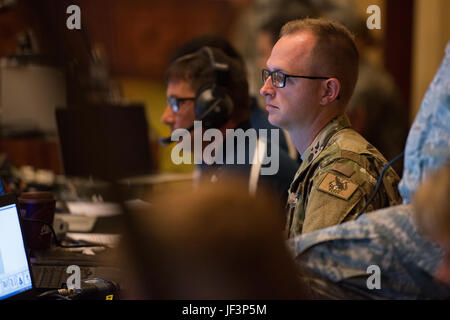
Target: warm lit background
{"points": [[136, 38]]}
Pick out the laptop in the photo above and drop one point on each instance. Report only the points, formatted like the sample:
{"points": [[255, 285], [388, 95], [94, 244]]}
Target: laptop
{"points": [[19, 279], [15, 272]]}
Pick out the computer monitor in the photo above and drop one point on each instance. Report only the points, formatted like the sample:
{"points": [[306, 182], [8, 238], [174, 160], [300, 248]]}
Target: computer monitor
{"points": [[105, 142], [15, 276]]}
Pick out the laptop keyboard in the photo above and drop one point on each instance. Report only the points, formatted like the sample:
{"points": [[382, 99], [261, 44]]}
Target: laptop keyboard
{"points": [[55, 277]]}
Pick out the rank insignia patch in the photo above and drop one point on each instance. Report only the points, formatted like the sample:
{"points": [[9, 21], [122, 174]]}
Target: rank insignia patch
{"points": [[337, 186], [292, 200]]}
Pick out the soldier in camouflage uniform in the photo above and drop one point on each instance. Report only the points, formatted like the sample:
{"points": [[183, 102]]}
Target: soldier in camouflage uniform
{"points": [[313, 69], [336, 258], [338, 174]]}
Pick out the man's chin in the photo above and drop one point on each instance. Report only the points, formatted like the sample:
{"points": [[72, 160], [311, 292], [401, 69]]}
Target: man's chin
{"points": [[273, 120], [278, 122]]}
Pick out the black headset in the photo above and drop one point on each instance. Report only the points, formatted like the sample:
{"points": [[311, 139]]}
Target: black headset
{"points": [[213, 104]]}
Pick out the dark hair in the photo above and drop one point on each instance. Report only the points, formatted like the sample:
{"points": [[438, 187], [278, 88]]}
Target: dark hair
{"points": [[206, 40], [335, 51], [215, 242], [196, 69]]}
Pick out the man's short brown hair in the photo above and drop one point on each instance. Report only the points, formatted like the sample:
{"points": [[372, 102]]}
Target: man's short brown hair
{"points": [[196, 69], [335, 51]]}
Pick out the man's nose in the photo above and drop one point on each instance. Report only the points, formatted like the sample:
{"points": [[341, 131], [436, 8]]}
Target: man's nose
{"points": [[168, 117], [267, 88]]}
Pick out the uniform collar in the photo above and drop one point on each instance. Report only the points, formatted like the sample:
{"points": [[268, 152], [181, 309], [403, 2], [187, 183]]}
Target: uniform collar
{"points": [[321, 140]]}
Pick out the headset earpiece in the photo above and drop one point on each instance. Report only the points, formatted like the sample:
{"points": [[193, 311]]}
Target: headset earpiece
{"points": [[213, 104]]}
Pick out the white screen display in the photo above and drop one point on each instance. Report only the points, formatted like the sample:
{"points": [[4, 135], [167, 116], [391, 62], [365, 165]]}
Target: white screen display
{"points": [[14, 271]]}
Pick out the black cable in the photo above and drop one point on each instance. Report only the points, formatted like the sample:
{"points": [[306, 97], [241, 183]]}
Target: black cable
{"points": [[48, 293], [57, 241], [52, 294], [59, 294], [380, 180], [54, 297]]}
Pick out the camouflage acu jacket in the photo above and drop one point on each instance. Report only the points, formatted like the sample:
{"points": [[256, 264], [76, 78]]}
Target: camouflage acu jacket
{"points": [[387, 238], [338, 175]]}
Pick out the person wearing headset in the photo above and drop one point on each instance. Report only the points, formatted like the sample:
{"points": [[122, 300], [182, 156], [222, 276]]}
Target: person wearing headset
{"points": [[310, 77], [209, 86], [258, 116]]}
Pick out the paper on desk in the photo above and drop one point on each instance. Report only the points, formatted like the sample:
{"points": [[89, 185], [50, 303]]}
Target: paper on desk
{"points": [[76, 223], [106, 239], [94, 209], [136, 204]]}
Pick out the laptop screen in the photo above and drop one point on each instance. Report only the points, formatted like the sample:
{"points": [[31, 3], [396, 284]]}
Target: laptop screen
{"points": [[14, 270]]}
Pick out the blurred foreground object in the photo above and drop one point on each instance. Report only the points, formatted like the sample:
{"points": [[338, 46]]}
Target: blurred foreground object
{"points": [[433, 216], [215, 243]]}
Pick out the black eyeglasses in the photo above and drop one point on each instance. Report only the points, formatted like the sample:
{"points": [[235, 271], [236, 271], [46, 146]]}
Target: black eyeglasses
{"points": [[175, 102], [279, 77]]}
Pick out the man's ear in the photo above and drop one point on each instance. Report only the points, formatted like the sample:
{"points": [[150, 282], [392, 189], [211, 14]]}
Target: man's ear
{"points": [[331, 91]]}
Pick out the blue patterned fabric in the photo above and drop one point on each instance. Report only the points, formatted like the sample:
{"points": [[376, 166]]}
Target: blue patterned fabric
{"points": [[389, 238], [427, 146]]}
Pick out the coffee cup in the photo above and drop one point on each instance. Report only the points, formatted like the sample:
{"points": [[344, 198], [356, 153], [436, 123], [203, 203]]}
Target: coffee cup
{"points": [[38, 211]]}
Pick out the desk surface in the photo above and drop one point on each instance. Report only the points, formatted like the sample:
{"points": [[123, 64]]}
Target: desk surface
{"points": [[49, 267]]}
